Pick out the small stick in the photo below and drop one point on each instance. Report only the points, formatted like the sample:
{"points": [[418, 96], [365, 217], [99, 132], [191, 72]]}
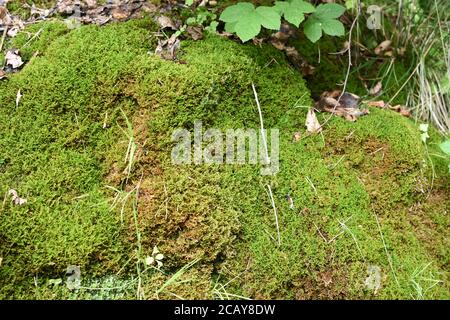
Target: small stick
{"points": [[3, 37], [268, 161]]}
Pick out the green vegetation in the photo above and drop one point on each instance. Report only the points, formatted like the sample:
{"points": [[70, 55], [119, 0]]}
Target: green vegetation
{"points": [[245, 20], [89, 143]]}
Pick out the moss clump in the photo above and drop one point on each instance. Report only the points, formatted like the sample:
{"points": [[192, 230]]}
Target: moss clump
{"points": [[63, 148]]}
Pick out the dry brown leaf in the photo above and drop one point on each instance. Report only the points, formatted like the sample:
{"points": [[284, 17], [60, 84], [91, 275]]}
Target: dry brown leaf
{"points": [[165, 22], [120, 14], [194, 32], [167, 49], [312, 124], [382, 47], [378, 104], [296, 137], [14, 197], [13, 58], [402, 110], [376, 90], [2, 74], [12, 32], [341, 104], [91, 3]]}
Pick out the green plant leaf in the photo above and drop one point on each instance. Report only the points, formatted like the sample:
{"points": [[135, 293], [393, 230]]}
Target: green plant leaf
{"points": [[212, 28], [329, 11], [249, 27], [269, 17], [350, 4], [237, 12], [281, 6], [294, 11], [312, 29], [230, 27], [423, 127], [333, 27], [424, 136], [445, 146]]}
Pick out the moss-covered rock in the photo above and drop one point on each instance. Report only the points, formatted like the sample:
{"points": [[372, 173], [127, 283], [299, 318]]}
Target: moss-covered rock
{"points": [[89, 146]]}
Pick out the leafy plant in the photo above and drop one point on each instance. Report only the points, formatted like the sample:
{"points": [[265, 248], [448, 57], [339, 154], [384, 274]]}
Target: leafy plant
{"points": [[445, 147], [246, 20], [424, 132]]}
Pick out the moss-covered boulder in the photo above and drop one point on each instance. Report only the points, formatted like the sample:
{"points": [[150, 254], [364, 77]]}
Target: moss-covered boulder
{"points": [[89, 146]]}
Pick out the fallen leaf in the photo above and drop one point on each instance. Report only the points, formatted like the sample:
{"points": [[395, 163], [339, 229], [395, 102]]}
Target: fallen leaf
{"points": [[13, 58], [312, 124], [383, 46], [39, 13], [344, 104], [165, 22], [373, 280], [376, 90], [378, 104], [12, 32], [2, 74], [296, 137], [194, 32], [167, 49], [327, 278], [349, 100], [402, 110], [15, 197], [5, 18], [73, 274], [91, 3], [120, 14]]}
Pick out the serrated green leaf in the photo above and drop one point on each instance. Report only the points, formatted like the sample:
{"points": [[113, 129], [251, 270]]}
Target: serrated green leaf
{"points": [[237, 12], [312, 29], [333, 27], [269, 17], [302, 6], [294, 17], [281, 6], [445, 146], [329, 11], [249, 27], [295, 11]]}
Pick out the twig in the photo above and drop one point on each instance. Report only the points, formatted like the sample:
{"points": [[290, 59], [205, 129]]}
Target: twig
{"points": [[3, 37], [385, 248], [268, 161], [275, 213], [261, 123]]}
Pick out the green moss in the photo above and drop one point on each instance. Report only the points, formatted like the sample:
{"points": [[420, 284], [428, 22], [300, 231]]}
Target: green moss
{"points": [[84, 208], [37, 38]]}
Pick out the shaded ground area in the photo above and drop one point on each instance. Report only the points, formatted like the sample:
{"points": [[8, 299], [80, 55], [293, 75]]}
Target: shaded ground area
{"points": [[89, 146]]}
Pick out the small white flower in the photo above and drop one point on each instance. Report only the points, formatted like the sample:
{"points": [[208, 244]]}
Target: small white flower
{"points": [[155, 257]]}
